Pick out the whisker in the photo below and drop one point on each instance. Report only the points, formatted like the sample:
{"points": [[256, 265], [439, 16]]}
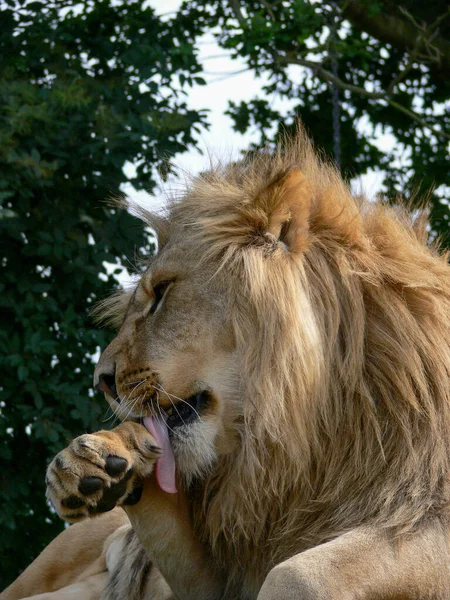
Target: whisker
{"points": [[133, 382], [162, 417], [136, 387], [171, 402], [133, 404], [105, 417], [112, 416], [177, 398], [124, 402], [178, 413]]}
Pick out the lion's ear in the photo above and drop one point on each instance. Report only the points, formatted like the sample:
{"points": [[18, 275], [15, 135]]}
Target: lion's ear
{"points": [[288, 202]]}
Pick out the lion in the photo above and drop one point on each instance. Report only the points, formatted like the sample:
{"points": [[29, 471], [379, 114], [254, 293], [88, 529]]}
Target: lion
{"points": [[282, 370]]}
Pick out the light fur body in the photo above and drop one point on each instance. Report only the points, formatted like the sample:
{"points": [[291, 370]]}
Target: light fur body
{"points": [[320, 324]]}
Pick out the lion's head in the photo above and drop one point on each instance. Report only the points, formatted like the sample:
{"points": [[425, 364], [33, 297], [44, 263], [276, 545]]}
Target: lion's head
{"points": [[295, 342]]}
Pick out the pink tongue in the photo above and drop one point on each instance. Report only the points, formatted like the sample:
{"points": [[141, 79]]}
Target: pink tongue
{"points": [[165, 466]]}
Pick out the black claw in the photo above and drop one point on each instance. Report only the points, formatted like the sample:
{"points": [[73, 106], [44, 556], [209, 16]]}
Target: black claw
{"points": [[73, 502], [152, 448], [90, 485], [110, 497], [134, 496], [59, 462], [116, 491], [115, 465], [128, 474]]}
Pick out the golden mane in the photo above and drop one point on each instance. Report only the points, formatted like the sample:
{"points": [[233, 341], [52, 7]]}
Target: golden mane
{"points": [[346, 399]]}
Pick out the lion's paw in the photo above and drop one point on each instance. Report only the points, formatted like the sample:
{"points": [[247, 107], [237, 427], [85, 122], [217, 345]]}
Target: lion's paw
{"points": [[100, 471]]}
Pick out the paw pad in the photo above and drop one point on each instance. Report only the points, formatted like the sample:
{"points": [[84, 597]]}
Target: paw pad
{"points": [[90, 485], [115, 465]]}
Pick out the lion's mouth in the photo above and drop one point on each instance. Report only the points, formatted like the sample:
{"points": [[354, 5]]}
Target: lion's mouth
{"points": [[168, 424], [178, 413], [184, 412], [163, 428]]}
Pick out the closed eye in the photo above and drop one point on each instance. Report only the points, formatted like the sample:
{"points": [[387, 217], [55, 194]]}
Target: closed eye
{"points": [[159, 291]]}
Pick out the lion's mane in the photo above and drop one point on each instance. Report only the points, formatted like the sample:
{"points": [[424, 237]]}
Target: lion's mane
{"points": [[344, 341]]}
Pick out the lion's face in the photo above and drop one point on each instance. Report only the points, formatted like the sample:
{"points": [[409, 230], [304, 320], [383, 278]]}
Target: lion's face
{"points": [[174, 359]]}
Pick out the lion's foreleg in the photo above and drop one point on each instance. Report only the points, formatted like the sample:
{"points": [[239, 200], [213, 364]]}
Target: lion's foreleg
{"points": [[89, 589], [162, 524], [105, 468], [366, 564], [74, 554]]}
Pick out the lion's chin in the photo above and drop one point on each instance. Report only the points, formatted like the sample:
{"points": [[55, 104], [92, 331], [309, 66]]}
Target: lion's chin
{"points": [[194, 448], [192, 435]]}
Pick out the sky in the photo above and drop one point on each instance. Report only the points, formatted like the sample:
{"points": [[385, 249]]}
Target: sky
{"points": [[226, 80]]}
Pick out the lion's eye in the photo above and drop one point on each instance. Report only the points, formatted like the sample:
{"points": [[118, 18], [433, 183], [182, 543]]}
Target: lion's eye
{"points": [[159, 291]]}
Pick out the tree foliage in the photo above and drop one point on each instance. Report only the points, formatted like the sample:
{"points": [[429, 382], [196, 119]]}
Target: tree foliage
{"points": [[82, 91]]}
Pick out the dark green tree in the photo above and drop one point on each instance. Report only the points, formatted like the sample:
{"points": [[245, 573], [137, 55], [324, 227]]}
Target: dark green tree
{"points": [[342, 64], [84, 87]]}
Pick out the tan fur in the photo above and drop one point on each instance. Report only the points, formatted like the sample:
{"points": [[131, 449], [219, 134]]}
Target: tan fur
{"points": [[74, 557], [87, 589], [320, 323]]}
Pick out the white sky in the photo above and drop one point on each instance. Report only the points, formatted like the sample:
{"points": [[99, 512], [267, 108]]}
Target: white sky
{"points": [[220, 140]]}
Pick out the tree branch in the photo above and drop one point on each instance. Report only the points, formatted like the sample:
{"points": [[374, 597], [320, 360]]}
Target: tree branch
{"points": [[415, 38], [412, 57], [268, 7], [236, 8], [330, 78], [402, 33]]}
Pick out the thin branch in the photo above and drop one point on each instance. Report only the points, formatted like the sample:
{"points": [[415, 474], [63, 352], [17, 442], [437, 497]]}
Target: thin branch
{"points": [[268, 7], [427, 34], [328, 76], [425, 28], [236, 8], [213, 56], [409, 65], [413, 115], [229, 75], [400, 76]]}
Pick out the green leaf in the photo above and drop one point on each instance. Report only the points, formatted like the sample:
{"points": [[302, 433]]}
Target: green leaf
{"points": [[22, 372]]}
